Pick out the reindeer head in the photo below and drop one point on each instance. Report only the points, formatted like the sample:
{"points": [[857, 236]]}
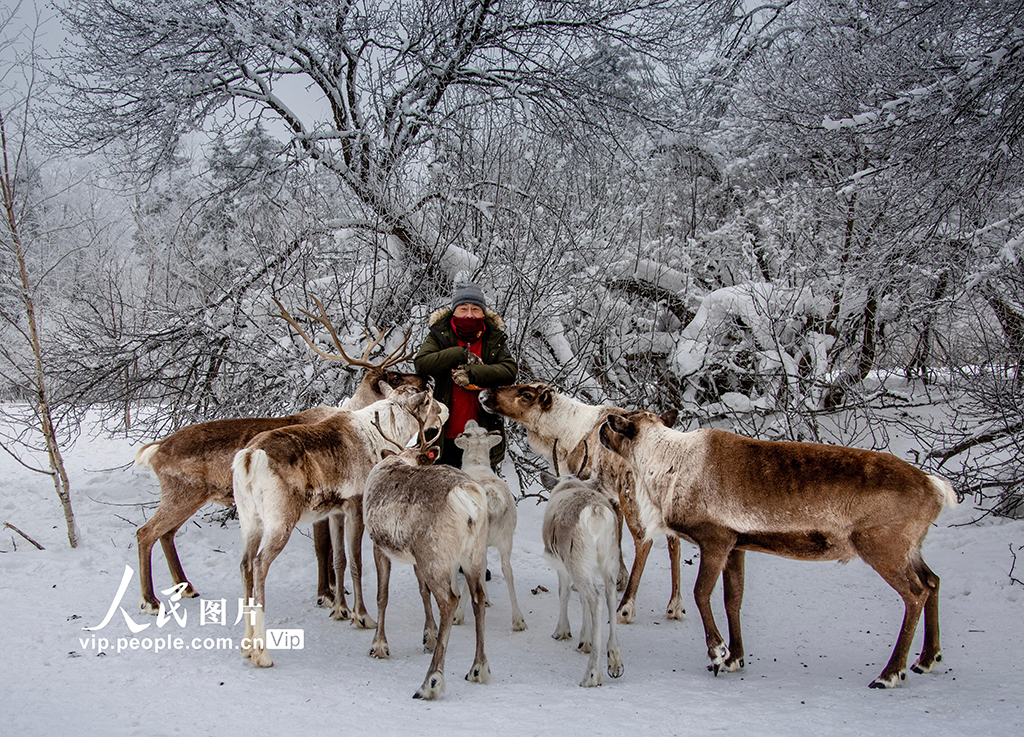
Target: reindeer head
{"points": [[621, 433], [395, 379], [475, 437], [523, 403], [430, 413]]}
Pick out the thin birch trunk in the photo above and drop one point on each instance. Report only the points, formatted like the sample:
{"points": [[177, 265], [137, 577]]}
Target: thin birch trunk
{"points": [[57, 470]]}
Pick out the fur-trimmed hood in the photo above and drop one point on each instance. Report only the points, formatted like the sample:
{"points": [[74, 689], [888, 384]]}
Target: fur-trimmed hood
{"points": [[445, 313]]}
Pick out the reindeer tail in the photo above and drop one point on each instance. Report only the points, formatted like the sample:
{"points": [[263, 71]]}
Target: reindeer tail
{"points": [[945, 490], [146, 453]]}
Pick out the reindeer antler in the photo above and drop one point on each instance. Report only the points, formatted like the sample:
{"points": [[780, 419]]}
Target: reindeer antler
{"points": [[396, 356], [376, 424]]}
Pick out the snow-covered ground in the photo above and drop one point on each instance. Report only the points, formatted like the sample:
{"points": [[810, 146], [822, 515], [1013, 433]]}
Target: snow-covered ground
{"points": [[816, 634]]}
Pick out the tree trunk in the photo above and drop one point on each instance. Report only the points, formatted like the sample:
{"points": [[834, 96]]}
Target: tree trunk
{"points": [[57, 471]]}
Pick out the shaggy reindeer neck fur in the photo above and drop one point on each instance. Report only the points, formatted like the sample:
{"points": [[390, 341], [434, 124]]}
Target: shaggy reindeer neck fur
{"points": [[569, 422]]}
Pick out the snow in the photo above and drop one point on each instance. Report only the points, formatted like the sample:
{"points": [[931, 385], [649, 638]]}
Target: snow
{"points": [[816, 634]]}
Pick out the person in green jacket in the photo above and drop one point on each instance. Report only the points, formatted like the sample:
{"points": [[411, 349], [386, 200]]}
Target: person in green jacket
{"points": [[466, 350]]}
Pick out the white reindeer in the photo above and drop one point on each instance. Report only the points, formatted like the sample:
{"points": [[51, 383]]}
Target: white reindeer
{"points": [[580, 535], [304, 473], [434, 517], [476, 444]]}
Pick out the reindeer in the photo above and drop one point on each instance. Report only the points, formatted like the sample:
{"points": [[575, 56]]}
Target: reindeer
{"points": [[729, 494], [435, 517], [580, 533], [476, 444], [304, 473], [549, 416], [193, 464]]}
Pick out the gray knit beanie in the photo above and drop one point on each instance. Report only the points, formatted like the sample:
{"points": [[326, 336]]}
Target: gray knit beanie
{"points": [[468, 293]]}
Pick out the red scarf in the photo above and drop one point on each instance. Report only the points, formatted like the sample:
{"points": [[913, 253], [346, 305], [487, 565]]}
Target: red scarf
{"points": [[465, 405]]}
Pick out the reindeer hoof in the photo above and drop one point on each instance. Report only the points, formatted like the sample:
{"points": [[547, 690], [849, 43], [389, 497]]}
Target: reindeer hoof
{"points": [[583, 647], [891, 681], [380, 651], [561, 635], [149, 607], [518, 624], [341, 614], [675, 610], [718, 654], [429, 640], [364, 622], [627, 612], [479, 673], [591, 679], [261, 659], [325, 600], [925, 666], [731, 665], [615, 667], [431, 688]]}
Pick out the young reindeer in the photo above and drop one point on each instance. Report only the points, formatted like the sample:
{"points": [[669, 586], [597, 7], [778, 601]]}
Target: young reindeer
{"points": [[729, 494], [548, 417], [476, 444], [304, 473], [193, 464], [434, 517], [580, 535]]}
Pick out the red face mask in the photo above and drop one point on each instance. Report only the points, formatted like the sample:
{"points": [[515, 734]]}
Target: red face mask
{"points": [[468, 328]]}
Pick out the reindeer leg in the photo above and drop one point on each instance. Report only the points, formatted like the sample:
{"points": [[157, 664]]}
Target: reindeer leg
{"points": [[441, 586], [275, 538], [931, 653], [732, 585], [642, 548], [713, 556], [325, 576], [252, 536], [615, 667], [623, 579], [481, 671], [883, 552], [676, 609], [429, 625], [562, 631], [162, 526], [355, 529], [460, 610], [505, 551], [336, 527], [379, 647], [586, 643], [592, 632]]}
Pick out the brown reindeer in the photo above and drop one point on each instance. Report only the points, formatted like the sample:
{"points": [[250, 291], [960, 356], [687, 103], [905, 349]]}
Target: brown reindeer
{"points": [[193, 464], [729, 494], [549, 417]]}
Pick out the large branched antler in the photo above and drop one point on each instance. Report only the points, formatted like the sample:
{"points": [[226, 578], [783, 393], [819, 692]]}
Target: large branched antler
{"points": [[396, 356]]}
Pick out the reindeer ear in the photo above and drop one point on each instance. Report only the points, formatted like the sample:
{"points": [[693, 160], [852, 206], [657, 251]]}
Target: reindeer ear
{"points": [[548, 481], [387, 454], [546, 399], [669, 417], [385, 389], [618, 424]]}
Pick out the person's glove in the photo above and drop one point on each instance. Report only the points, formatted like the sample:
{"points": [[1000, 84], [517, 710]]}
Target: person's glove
{"points": [[461, 376]]}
